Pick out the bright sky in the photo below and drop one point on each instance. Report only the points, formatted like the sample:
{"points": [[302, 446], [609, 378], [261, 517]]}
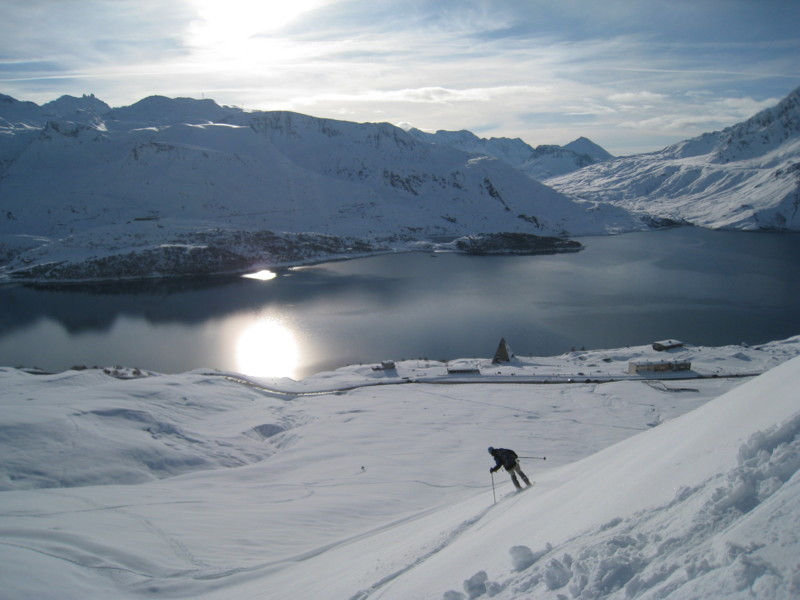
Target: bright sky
{"points": [[632, 75]]}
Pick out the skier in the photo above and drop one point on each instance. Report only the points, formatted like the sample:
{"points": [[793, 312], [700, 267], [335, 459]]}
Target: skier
{"points": [[508, 459]]}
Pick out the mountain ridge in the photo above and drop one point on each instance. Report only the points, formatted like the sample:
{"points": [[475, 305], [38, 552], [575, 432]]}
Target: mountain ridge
{"points": [[181, 186], [744, 177], [540, 163], [235, 190]]}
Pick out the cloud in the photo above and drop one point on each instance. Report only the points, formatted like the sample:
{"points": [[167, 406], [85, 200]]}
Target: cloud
{"points": [[704, 116], [636, 97], [426, 95], [743, 108], [92, 31]]}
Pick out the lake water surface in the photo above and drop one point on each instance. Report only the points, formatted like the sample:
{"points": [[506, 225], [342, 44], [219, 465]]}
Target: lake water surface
{"points": [[703, 287]]}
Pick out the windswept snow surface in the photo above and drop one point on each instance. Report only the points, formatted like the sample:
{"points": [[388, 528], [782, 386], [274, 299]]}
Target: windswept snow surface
{"points": [[120, 484]]}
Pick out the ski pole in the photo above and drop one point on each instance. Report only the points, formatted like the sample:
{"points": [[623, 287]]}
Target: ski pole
{"points": [[493, 493], [536, 457]]}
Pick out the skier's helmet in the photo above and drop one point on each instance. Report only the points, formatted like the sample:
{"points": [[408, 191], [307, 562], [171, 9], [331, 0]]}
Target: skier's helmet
{"points": [[491, 449]]}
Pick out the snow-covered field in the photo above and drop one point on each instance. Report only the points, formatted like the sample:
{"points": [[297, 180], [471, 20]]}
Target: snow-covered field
{"points": [[368, 483]]}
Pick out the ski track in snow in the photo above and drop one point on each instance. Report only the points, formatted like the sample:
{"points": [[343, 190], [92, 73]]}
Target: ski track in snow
{"points": [[449, 539], [653, 553], [179, 550], [374, 591]]}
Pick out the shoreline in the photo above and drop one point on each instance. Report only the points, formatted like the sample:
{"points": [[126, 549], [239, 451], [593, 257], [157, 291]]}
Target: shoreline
{"points": [[547, 246], [599, 366]]}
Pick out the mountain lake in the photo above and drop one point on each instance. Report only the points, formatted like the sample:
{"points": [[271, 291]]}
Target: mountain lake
{"points": [[699, 286]]}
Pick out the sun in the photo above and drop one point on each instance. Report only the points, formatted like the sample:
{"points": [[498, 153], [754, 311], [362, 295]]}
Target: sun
{"points": [[267, 348], [231, 21]]}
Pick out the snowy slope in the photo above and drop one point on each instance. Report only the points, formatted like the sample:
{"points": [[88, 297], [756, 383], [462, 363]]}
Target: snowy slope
{"points": [[200, 486], [743, 177], [538, 163], [181, 185], [704, 506]]}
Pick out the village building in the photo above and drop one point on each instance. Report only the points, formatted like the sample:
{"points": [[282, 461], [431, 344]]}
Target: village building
{"points": [[667, 345], [636, 366], [462, 367]]}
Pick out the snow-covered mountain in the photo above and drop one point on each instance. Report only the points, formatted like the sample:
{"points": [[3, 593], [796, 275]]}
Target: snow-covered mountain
{"points": [[744, 177], [367, 484], [588, 148], [179, 186], [538, 163], [185, 187]]}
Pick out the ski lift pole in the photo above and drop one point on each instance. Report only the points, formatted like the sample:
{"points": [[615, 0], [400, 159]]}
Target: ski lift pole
{"points": [[494, 495]]}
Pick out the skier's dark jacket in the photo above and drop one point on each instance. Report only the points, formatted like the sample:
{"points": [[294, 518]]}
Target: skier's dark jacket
{"points": [[504, 458]]}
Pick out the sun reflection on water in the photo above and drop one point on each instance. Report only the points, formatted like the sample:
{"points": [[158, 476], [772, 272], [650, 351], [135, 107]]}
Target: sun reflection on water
{"points": [[267, 348], [264, 275]]}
